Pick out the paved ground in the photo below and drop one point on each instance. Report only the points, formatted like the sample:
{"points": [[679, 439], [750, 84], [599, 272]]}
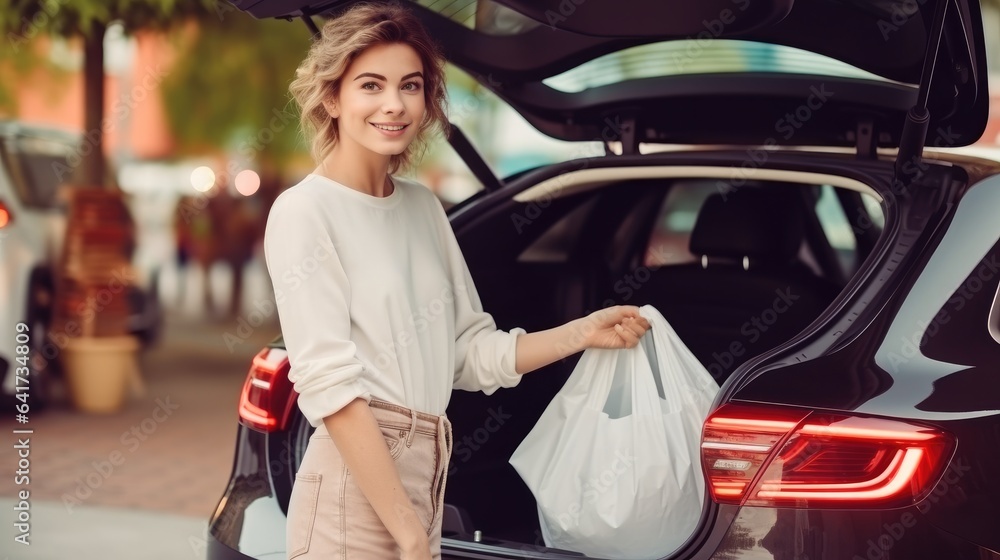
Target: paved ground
{"points": [[140, 483]]}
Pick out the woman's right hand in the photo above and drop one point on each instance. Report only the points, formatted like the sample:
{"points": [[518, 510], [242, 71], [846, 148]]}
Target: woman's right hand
{"points": [[419, 550], [414, 544], [357, 435]]}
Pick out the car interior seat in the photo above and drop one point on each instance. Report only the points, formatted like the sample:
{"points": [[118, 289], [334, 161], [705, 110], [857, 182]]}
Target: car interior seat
{"points": [[749, 291]]}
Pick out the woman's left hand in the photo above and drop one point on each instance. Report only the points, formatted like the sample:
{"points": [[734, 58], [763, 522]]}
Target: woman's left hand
{"points": [[619, 326]]}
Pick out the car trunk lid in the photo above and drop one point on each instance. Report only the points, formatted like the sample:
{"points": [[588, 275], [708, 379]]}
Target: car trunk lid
{"points": [[861, 62]]}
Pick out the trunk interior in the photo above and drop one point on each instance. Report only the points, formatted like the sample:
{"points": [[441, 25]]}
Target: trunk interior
{"points": [[778, 253]]}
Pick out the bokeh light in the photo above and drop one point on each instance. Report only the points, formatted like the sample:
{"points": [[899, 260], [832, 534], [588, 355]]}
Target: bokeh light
{"points": [[202, 178], [247, 182]]}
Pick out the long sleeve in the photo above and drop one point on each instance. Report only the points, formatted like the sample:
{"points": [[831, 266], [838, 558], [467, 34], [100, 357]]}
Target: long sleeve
{"points": [[313, 297], [484, 355]]}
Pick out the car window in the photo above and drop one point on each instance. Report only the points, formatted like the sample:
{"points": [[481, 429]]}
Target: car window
{"points": [[696, 56], [873, 210], [507, 142], [38, 167], [837, 227], [489, 18], [558, 241], [671, 235]]}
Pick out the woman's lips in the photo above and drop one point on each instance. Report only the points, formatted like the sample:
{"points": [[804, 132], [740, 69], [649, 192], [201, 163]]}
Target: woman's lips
{"points": [[390, 133]]}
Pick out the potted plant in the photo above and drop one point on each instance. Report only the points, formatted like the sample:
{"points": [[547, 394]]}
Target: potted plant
{"points": [[91, 304]]}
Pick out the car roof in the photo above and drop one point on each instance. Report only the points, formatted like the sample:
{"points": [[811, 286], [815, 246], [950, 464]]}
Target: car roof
{"points": [[10, 128]]}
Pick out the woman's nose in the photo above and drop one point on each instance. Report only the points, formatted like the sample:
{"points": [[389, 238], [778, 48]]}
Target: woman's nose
{"points": [[393, 103]]}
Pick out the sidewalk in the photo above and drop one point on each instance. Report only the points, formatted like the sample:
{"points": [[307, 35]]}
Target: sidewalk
{"points": [[141, 483], [96, 532]]}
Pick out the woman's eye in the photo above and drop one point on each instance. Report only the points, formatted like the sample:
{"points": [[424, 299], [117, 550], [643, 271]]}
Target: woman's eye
{"points": [[416, 86], [366, 84]]}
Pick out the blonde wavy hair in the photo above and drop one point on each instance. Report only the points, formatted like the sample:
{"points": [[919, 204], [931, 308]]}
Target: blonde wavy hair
{"points": [[342, 40]]}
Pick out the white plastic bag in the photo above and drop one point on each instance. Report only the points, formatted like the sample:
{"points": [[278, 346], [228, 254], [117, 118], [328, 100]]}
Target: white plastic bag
{"points": [[613, 461]]}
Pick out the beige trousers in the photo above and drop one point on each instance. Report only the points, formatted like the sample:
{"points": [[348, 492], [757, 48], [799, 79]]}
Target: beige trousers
{"points": [[329, 517]]}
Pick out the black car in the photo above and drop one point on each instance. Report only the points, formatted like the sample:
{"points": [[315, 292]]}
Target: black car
{"points": [[838, 280]]}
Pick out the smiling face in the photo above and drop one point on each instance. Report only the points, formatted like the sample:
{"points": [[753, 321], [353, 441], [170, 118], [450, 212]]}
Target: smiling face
{"points": [[381, 101]]}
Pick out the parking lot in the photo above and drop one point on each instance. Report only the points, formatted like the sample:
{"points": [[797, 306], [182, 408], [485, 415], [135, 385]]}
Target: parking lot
{"points": [[141, 483]]}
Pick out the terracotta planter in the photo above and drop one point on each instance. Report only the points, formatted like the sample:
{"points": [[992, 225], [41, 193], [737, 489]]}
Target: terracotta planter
{"points": [[100, 359], [99, 371]]}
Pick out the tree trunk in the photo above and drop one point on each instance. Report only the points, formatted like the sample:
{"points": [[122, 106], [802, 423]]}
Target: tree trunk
{"points": [[93, 107]]}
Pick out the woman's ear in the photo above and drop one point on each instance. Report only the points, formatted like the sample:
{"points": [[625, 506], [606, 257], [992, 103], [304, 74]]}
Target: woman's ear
{"points": [[331, 108]]}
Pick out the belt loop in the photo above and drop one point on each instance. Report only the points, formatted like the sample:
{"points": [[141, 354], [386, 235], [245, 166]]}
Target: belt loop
{"points": [[413, 427]]}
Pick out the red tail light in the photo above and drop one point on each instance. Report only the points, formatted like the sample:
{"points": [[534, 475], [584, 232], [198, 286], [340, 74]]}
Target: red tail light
{"points": [[5, 216], [773, 456], [267, 397]]}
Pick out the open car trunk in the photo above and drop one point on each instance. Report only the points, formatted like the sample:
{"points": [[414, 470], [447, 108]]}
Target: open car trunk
{"points": [[623, 229], [596, 241], [544, 58]]}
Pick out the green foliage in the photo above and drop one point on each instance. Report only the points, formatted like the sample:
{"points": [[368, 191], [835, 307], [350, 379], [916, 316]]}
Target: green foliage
{"points": [[229, 88], [15, 63], [22, 20]]}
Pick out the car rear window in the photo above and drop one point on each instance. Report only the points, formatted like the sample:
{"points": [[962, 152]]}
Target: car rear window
{"points": [[671, 234], [489, 18], [695, 56], [507, 142]]}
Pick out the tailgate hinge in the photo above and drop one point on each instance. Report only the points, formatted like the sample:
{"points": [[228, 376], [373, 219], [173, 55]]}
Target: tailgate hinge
{"points": [[866, 138], [623, 129], [629, 137]]}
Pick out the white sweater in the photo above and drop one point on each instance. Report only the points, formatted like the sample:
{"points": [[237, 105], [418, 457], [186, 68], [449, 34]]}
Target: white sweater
{"points": [[374, 298]]}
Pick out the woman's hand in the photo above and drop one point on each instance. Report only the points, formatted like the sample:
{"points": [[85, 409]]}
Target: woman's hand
{"points": [[356, 433], [414, 544], [420, 549], [619, 326]]}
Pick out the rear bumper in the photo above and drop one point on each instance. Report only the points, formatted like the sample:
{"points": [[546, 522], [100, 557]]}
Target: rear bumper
{"points": [[250, 525], [219, 551], [249, 522], [842, 535], [247, 528]]}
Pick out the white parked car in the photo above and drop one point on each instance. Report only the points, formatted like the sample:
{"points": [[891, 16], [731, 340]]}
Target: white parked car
{"points": [[35, 164], [33, 221]]}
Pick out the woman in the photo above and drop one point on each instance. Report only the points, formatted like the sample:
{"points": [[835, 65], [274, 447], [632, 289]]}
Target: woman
{"points": [[379, 313]]}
